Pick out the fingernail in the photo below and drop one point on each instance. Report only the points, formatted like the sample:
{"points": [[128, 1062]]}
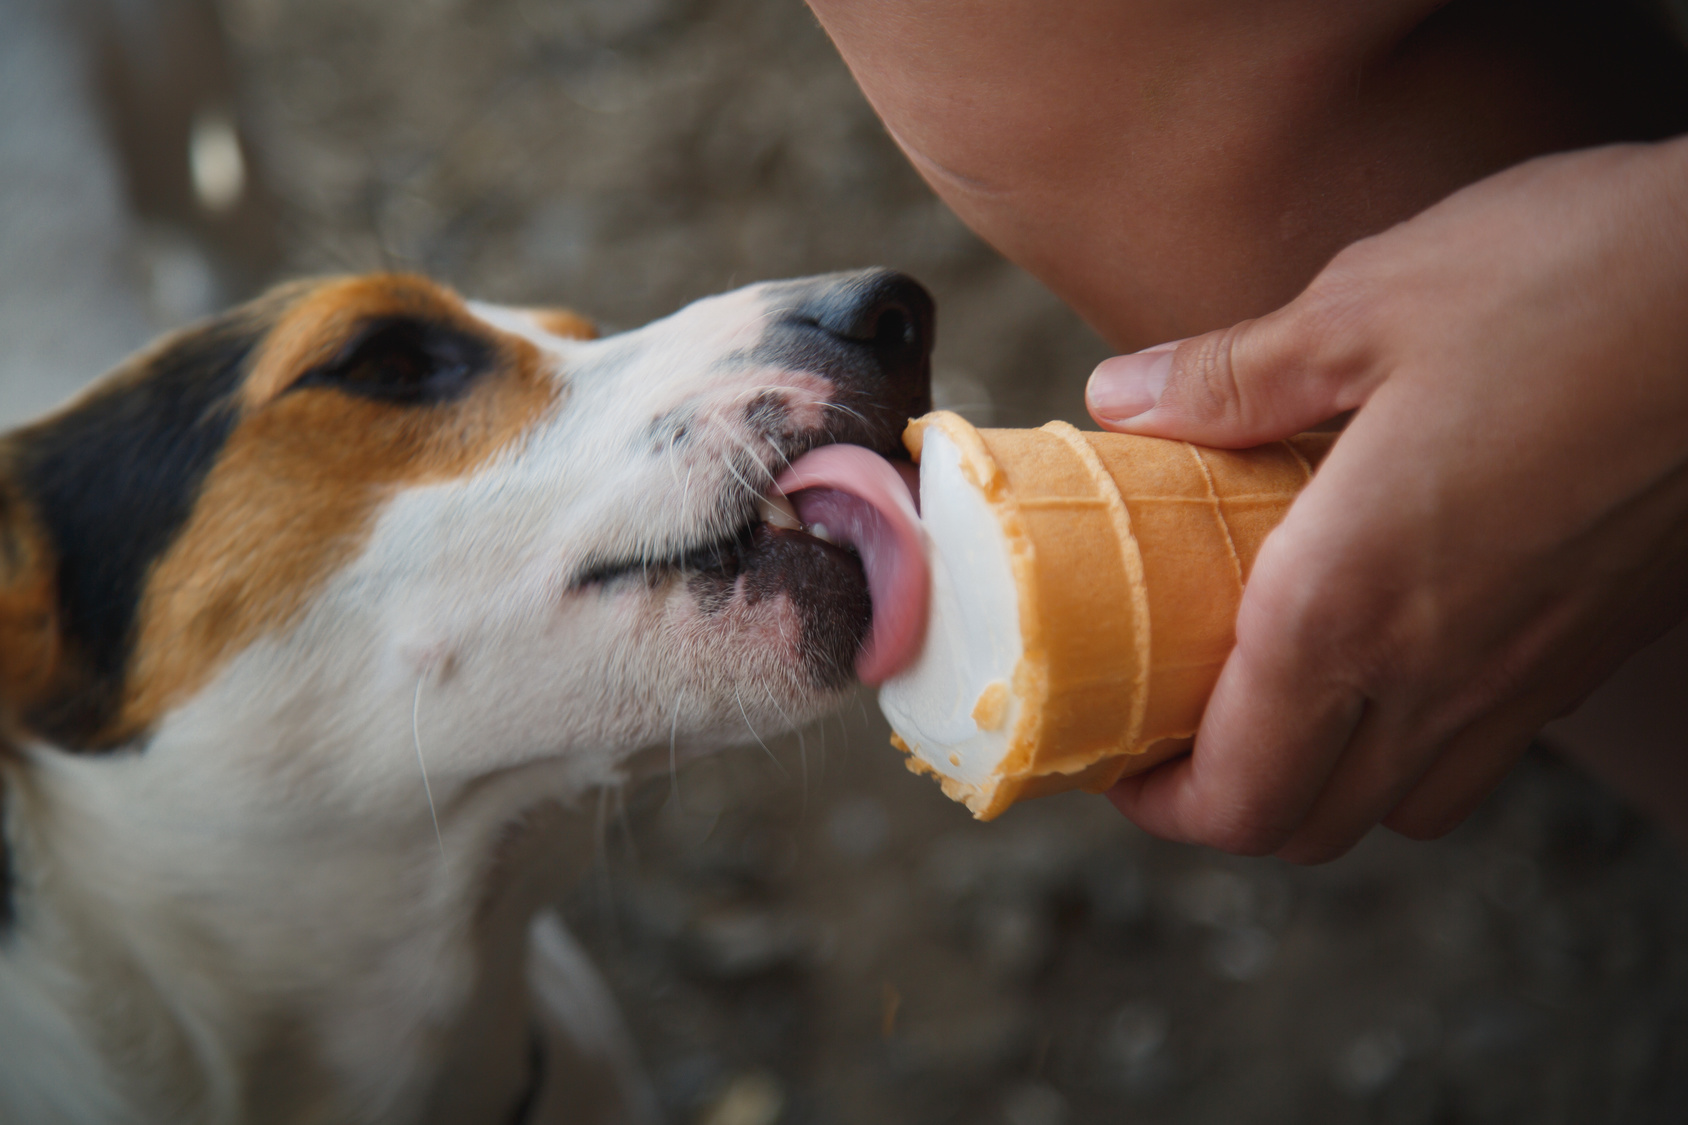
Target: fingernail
{"points": [[1127, 385]]}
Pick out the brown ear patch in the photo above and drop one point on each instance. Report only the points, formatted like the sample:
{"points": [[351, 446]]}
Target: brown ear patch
{"points": [[302, 476], [29, 635], [565, 323]]}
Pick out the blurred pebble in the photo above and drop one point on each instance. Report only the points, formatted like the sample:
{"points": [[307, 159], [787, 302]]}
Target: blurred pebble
{"points": [[1368, 1063], [688, 1079], [1034, 1103], [1627, 946], [1420, 1027], [1029, 858], [1242, 953], [1453, 923], [1553, 948], [768, 853], [702, 793], [1633, 1051], [962, 1043], [1413, 1098], [859, 827], [598, 21], [1490, 1028], [1512, 881], [1113, 886], [1214, 897], [1015, 938], [1134, 1035], [654, 908], [1132, 1050], [735, 943], [750, 1099]]}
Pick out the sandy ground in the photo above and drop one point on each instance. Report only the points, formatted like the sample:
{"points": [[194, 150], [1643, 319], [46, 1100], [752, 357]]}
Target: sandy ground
{"points": [[804, 932]]}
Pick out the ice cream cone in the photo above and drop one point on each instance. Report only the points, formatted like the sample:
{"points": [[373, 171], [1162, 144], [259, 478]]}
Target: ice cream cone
{"points": [[1085, 590]]}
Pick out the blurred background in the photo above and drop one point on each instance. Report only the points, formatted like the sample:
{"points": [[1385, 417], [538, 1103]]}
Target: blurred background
{"points": [[804, 932]]}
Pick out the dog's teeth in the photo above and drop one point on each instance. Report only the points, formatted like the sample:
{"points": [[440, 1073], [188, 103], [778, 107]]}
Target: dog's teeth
{"points": [[778, 511], [819, 531]]}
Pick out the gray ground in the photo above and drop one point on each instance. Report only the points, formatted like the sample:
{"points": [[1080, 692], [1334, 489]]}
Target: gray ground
{"points": [[807, 933]]}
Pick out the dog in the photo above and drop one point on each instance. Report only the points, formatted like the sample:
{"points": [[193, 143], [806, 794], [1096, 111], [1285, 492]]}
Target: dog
{"points": [[315, 621]]}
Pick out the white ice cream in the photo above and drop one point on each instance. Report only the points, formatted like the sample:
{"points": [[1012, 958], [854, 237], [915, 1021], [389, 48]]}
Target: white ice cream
{"points": [[973, 642]]}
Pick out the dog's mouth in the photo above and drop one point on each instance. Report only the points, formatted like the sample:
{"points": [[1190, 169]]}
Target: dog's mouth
{"points": [[840, 522], [850, 496]]}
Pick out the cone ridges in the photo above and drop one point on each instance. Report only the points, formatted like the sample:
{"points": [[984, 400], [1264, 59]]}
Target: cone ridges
{"points": [[1129, 556]]}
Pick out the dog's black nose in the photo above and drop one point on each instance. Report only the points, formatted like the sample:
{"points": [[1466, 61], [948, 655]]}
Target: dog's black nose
{"points": [[889, 311], [870, 333]]}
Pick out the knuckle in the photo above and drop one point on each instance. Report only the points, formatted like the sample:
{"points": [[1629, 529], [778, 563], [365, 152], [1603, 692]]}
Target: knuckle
{"points": [[1335, 323], [1210, 379]]}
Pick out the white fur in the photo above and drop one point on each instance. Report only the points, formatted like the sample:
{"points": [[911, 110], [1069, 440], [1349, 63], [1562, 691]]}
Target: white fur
{"points": [[251, 918]]}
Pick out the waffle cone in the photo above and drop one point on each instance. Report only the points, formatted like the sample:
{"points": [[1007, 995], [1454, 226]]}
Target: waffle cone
{"points": [[1129, 556]]}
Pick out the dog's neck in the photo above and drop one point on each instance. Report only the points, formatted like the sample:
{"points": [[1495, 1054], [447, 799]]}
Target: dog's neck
{"points": [[155, 953]]}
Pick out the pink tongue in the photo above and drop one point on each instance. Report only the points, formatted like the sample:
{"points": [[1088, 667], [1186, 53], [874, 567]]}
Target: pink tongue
{"points": [[869, 503]]}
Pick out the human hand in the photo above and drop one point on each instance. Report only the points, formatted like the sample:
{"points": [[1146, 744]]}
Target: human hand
{"points": [[1504, 520]]}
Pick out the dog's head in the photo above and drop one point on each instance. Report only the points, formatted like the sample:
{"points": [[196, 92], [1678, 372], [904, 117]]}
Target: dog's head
{"points": [[361, 510]]}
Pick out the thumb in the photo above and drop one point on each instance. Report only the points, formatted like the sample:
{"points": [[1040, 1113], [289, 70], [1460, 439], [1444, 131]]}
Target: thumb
{"points": [[1257, 381]]}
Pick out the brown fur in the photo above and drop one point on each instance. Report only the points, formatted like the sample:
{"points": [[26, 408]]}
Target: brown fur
{"points": [[564, 323], [29, 638]]}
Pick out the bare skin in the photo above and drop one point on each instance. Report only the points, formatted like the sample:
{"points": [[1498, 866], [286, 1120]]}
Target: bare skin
{"points": [[1501, 524]]}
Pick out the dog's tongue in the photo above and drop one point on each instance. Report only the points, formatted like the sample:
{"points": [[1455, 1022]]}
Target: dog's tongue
{"points": [[868, 503]]}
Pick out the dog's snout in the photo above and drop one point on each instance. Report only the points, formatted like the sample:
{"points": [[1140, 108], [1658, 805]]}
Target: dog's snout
{"points": [[871, 334], [889, 311]]}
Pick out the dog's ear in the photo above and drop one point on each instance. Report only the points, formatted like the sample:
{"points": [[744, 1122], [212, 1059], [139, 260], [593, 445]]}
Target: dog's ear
{"points": [[29, 627], [566, 323]]}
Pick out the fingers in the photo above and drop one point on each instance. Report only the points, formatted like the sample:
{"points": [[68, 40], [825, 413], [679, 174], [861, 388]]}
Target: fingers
{"points": [[1258, 381], [1467, 771], [1375, 770], [1272, 734]]}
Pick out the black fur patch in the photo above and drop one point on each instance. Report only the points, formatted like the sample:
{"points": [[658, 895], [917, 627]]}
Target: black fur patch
{"points": [[112, 482]]}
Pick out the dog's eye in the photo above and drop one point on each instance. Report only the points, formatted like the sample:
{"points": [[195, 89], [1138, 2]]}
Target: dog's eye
{"points": [[400, 359]]}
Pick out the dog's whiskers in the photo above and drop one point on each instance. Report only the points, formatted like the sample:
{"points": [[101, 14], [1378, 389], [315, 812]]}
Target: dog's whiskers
{"points": [[778, 452], [606, 901], [416, 738], [752, 729], [846, 410], [756, 459], [626, 823], [673, 753], [727, 463]]}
